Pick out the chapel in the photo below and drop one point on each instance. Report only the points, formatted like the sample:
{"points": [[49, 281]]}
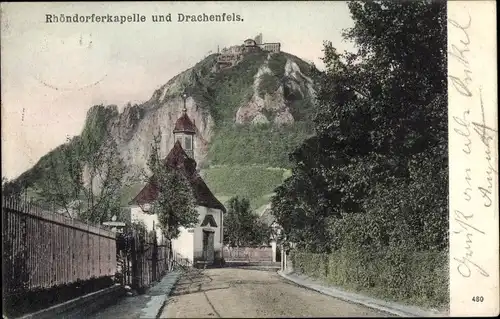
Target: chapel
{"points": [[204, 242]]}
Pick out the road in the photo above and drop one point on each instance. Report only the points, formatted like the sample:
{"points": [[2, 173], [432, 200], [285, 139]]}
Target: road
{"points": [[250, 293]]}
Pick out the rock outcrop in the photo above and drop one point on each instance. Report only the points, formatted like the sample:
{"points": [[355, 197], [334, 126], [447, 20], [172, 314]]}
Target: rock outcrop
{"points": [[274, 107]]}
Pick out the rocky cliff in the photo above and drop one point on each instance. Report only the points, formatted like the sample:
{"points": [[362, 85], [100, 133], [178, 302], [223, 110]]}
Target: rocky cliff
{"points": [[268, 98], [272, 89]]}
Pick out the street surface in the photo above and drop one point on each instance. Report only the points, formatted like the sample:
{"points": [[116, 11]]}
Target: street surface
{"points": [[237, 292]]}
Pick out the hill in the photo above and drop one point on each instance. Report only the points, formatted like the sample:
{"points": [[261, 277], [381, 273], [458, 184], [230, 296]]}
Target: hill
{"points": [[249, 117]]}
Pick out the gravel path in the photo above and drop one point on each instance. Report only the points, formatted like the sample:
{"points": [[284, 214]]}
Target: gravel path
{"points": [[229, 292]]}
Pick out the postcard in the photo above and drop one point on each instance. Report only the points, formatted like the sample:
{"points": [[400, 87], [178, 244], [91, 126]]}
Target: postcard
{"points": [[249, 159]]}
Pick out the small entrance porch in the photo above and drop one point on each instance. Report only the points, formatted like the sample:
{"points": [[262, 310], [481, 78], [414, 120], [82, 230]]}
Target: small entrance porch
{"points": [[208, 248]]}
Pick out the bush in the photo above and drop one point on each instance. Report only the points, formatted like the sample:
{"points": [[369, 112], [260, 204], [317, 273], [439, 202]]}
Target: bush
{"points": [[302, 109], [30, 301], [406, 276]]}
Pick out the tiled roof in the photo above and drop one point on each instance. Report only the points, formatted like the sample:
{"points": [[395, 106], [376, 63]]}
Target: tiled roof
{"points": [[184, 124], [178, 159]]}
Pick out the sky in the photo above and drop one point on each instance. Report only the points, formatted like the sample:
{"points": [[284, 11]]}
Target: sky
{"points": [[52, 73]]}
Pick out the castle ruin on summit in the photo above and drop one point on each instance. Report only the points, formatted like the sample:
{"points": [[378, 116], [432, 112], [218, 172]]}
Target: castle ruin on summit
{"points": [[229, 57]]}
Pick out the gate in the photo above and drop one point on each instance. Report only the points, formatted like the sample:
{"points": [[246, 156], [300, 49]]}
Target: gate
{"points": [[142, 260]]}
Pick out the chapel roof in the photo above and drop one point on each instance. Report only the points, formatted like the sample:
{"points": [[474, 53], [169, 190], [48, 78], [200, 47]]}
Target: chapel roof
{"points": [[184, 124], [178, 159]]}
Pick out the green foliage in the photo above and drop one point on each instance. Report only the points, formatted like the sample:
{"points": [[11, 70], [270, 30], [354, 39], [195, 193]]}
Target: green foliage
{"points": [[138, 227], [268, 84], [175, 204], [251, 182], [227, 90], [62, 183], [276, 64], [95, 130], [418, 278], [26, 180], [269, 114], [377, 167], [301, 209], [95, 198], [302, 109], [264, 144], [371, 187], [242, 227], [56, 176]]}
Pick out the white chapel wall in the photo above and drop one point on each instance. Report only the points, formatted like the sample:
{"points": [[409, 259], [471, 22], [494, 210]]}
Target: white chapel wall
{"points": [[198, 231], [189, 244], [150, 220], [184, 244]]}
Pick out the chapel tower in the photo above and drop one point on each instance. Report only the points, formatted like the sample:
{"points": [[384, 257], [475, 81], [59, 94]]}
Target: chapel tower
{"points": [[184, 131]]}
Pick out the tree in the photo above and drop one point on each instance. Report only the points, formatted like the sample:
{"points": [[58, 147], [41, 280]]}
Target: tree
{"points": [[85, 176], [106, 173], [62, 184], [302, 206], [13, 188], [175, 204], [5, 181], [378, 159], [242, 227]]}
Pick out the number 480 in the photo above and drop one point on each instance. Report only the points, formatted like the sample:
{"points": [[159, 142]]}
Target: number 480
{"points": [[478, 299]]}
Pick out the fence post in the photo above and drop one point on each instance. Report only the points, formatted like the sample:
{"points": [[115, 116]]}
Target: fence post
{"points": [[285, 260], [154, 264], [25, 257], [133, 256], [171, 256], [282, 259], [154, 255]]}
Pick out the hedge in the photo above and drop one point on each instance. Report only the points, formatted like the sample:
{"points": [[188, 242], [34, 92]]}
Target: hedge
{"points": [[31, 301], [418, 278]]}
